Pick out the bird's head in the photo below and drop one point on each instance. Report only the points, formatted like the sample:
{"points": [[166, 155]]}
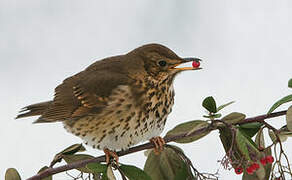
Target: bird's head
{"points": [[160, 62]]}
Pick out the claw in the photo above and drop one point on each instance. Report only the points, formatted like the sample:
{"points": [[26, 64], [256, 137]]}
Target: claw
{"points": [[158, 143], [109, 154]]}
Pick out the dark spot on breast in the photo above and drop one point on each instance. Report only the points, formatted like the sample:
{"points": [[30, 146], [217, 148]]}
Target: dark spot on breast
{"points": [[101, 138], [144, 119], [151, 95], [123, 133], [126, 126], [138, 125], [121, 120], [119, 112], [147, 105], [128, 106], [116, 137], [157, 114], [93, 139], [164, 121], [121, 100], [164, 111], [128, 118]]}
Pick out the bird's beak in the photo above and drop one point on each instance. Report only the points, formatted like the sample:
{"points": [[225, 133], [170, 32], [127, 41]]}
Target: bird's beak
{"points": [[186, 60]]}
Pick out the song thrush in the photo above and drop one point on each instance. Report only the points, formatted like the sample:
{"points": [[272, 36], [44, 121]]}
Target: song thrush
{"points": [[116, 102]]}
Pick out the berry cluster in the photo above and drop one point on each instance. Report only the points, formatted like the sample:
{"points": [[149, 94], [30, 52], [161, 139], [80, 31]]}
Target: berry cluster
{"points": [[267, 160], [255, 166], [252, 168]]}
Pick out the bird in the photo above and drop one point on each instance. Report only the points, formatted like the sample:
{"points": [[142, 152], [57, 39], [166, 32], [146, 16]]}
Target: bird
{"points": [[117, 102]]}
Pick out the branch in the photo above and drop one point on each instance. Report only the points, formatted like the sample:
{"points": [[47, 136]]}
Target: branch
{"points": [[52, 171]]}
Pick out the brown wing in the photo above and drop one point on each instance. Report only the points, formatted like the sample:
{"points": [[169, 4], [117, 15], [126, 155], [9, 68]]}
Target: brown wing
{"points": [[84, 93]]}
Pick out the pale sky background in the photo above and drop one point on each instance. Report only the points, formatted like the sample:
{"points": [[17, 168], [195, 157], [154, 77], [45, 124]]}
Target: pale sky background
{"points": [[245, 47]]}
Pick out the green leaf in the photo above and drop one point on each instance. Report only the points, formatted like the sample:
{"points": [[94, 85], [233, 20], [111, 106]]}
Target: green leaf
{"points": [[189, 127], [234, 117], [272, 136], [97, 167], [259, 140], [245, 144], [290, 83], [46, 178], [280, 102], [68, 151], [73, 149], [289, 118], [183, 173], [250, 129], [224, 105], [134, 173], [164, 166], [283, 134], [284, 131], [210, 104], [12, 174], [78, 157]]}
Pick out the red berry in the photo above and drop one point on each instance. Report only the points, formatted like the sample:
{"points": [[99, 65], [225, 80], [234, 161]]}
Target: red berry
{"points": [[196, 64], [263, 161], [238, 170], [250, 170], [255, 166], [270, 159]]}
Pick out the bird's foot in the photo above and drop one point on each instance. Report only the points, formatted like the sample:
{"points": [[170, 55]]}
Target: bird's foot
{"points": [[109, 154], [158, 143]]}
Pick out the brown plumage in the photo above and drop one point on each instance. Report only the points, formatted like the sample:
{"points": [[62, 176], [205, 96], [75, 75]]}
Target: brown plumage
{"points": [[118, 101]]}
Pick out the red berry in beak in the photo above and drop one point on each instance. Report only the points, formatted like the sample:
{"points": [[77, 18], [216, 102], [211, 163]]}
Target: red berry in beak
{"points": [[270, 159], [238, 170], [196, 64]]}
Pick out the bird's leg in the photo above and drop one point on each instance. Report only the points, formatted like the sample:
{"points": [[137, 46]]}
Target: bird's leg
{"points": [[158, 143], [109, 154]]}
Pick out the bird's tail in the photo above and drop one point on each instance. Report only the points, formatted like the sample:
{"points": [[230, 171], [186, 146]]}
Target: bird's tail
{"points": [[34, 109]]}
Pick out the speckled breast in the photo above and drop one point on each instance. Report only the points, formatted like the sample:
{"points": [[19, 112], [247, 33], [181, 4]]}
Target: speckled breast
{"points": [[126, 121]]}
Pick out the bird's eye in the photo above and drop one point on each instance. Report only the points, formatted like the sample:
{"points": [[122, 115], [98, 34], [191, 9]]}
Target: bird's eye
{"points": [[162, 63]]}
